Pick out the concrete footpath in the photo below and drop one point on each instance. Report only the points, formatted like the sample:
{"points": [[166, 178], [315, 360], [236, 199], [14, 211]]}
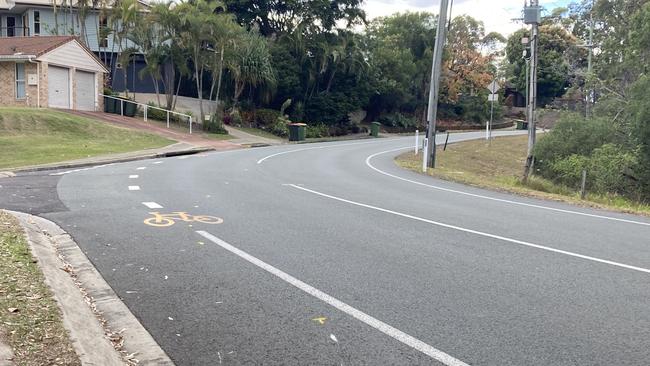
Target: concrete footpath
{"points": [[102, 329]]}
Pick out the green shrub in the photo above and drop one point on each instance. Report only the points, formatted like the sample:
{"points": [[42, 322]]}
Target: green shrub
{"points": [[215, 124], [398, 120], [266, 117], [572, 135], [609, 170], [280, 128], [319, 130], [235, 118], [568, 170], [330, 109]]}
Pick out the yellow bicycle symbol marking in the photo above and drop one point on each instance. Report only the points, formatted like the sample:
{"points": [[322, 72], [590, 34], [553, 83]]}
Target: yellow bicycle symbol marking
{"points": [[164, 220]]}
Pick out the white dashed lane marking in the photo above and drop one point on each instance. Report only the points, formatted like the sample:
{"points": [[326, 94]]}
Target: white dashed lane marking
{"points": [[134, 188], [152, 205], [141, 168], [133, 176]]}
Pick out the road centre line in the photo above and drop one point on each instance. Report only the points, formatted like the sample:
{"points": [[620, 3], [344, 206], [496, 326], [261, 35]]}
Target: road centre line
{"points": [[340, 305], [141, 168], [134, 188], [320, 147], [152, 205], [369, 158], [134, 176], [476, 232]]}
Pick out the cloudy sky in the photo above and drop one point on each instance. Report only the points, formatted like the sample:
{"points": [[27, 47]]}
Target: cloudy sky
{"points": [[497, 15]]}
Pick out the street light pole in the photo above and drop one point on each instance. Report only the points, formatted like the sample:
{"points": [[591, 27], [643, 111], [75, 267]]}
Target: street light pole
{"points": [[429, 157]]}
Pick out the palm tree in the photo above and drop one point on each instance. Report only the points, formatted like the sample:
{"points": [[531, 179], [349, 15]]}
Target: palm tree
{"points": [[251, 64], [197, 21]]}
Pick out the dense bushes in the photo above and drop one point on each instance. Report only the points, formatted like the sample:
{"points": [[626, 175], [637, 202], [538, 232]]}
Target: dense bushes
{"points": [[398, 120], [266, 118], [576, 144], [475, 109]]}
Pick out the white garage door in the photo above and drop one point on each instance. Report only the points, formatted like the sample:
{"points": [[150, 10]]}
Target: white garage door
{"points": [[85, 90], [58, 85]]}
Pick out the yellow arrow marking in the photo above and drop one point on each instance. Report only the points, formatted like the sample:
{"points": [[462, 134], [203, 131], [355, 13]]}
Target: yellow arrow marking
{"points": [[320, 320]]}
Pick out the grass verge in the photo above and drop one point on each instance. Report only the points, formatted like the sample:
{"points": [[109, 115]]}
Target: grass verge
{"points": [[183, 127], [499, 166], [258, 132], [30, 320], [39, 136]]}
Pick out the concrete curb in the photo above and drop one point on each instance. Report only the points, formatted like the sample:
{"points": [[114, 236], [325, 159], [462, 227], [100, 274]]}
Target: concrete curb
{"points": [[102, 329], [109, 161]]}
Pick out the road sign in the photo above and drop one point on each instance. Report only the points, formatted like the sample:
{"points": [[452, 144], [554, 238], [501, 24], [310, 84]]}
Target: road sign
{"points": [[493, 97], [494, 87]]}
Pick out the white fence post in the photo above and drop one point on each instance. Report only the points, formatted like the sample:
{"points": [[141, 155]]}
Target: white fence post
{"points": [[190, 125], [417, 139], [167, 119], [146, 107], [121, 107]]}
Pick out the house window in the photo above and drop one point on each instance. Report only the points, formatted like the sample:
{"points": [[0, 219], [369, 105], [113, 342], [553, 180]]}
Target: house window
{"points": [[103, 31], [37, 22], [11, 26], [20, 81]]}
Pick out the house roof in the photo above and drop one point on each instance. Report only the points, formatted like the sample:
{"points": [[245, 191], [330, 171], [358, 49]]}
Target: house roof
{"points": [[21, 48], [31, 46]]}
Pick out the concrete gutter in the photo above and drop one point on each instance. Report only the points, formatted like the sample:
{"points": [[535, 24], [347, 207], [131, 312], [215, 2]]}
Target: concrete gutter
{"points": [[102, 329]]}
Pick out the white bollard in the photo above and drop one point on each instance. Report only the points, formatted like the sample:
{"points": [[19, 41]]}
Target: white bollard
{"points": [[417, 139], [190, 125], [487, 130], [167, 119]]}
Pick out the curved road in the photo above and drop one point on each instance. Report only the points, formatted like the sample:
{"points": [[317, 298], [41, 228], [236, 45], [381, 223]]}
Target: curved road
{"points": [[329, 254]]}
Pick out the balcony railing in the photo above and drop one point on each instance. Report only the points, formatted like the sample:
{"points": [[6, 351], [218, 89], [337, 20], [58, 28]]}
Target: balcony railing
{"points": [[14, 32]]}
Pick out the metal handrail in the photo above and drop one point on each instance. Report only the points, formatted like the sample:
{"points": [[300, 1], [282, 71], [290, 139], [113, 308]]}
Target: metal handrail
{"points": [[146, 109]]}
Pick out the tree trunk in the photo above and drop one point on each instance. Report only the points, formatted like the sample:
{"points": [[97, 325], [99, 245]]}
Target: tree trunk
{"points": [[199, 81], [216, 99], [178, 89]]}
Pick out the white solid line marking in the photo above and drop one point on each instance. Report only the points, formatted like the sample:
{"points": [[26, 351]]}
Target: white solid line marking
{"points": [[152, 204], [141, 168], [320, 147], [133, 176], [493, 198], [157, 162], [134, 188], [80, 169], [476, 232], [340, 305]]}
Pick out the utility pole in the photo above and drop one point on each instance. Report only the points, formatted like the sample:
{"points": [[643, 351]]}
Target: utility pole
{"points": [[532, 16], [429, 157], [590, 66]]}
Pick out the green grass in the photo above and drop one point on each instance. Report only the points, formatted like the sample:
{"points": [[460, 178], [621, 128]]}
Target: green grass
{"points": [[258, 132], [41, 136], [183, 126], [30, 320], [499, 166]]}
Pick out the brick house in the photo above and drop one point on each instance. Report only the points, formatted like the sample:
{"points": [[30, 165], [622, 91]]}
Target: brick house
{"points": [[50, 71]]}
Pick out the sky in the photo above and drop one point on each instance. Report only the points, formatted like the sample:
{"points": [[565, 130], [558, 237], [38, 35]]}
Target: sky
{"points": [[497, 15]]}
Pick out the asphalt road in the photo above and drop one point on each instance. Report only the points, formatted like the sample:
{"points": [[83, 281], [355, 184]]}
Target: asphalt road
{"points": [[329, 254]]}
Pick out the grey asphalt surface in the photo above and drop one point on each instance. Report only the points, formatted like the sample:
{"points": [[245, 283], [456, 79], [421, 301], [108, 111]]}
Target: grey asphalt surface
{"points": [[478, 298]]}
